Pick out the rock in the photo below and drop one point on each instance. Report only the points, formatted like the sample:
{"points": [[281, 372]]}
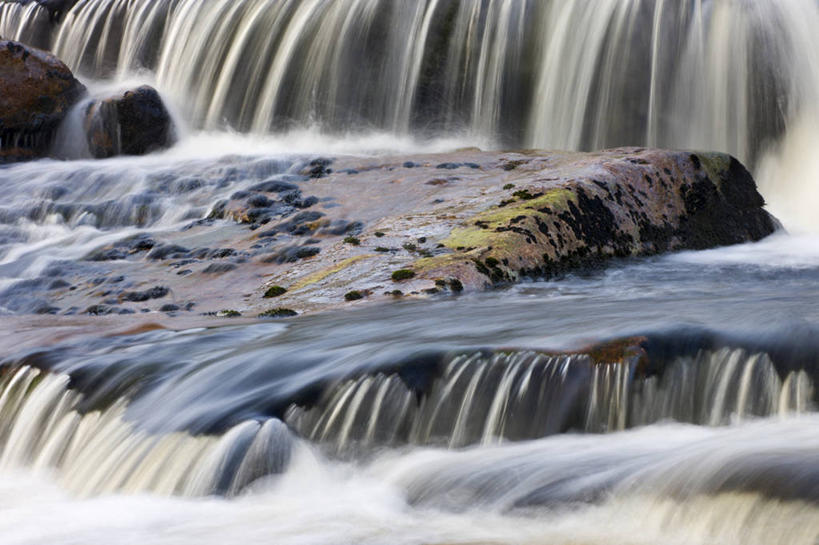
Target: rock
{"points": [[522, 215], [157, 292], [633, 202], [552, 212], [36, 92], [135, 122]]}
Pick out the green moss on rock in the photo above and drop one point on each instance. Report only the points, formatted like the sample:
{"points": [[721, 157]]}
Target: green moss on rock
{"points": [[402, 274], [278, 313], [353, 295], [274, 291]]}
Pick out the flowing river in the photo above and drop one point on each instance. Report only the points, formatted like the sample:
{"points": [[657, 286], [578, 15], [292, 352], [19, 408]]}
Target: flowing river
{"points": [[476, 419]]}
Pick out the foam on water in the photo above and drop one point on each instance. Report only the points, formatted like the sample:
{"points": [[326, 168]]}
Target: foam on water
{"points": [[314, 141], [780, 251], [788, 176]]}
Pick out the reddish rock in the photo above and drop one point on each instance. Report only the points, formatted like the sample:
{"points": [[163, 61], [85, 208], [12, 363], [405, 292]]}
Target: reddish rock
{"points": [[36, 92]]}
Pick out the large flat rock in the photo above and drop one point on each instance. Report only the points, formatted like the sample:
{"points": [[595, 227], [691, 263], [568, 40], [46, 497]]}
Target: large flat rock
{"points": [[476, 220], [353, 230]]}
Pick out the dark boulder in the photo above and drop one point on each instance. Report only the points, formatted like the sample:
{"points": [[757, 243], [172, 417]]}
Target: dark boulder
{"points": [[36, 92], [135, 122]]}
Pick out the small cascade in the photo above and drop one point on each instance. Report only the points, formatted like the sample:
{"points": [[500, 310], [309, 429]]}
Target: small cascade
{"points": [[719, 388], [108, 198], [25, 142], [101, 452], [480, 398]]}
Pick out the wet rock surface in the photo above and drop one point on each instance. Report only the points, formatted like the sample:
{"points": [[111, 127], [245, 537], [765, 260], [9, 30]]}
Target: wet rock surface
{"points": [[213, 235], [36, 92], [135, 122]]}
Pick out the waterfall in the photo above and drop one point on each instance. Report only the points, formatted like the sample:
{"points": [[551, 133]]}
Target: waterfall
{"points": [[24, 23], [99, 452], [729, 76], [480, 398]]}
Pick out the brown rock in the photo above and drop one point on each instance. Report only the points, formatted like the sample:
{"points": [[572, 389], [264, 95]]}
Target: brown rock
{"points": [[36, 92], [135, 122], [629, 202]]}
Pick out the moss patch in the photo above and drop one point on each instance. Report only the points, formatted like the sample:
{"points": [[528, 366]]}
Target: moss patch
{"points": [[715, 164], [274, 291], [523, 195], [402, 274], [485, 229], [278, 313], [353, 295]]}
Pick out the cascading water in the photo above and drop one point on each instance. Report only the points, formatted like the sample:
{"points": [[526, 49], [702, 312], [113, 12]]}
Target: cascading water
{"points": [[99, 452], [23, 22], [487, 399]]}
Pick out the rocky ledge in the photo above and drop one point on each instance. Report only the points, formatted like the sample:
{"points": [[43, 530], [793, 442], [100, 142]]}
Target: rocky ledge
{"points": [[492, 219], [339, 232]]}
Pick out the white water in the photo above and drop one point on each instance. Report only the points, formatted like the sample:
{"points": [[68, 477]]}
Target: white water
{"points": [[319, 502], [42, 428], [693, 73]]}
